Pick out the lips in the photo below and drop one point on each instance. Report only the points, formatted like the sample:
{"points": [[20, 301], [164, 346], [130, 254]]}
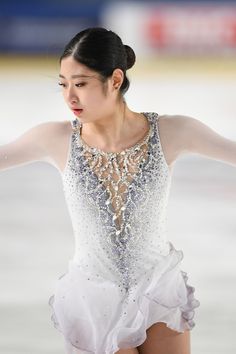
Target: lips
{"points": [[77, 110]]}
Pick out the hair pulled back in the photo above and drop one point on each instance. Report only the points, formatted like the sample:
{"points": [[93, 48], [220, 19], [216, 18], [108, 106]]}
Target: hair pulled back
{"points": [[101, 50]]}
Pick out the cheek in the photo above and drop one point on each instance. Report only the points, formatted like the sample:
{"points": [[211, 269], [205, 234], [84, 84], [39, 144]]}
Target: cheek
{"points": [[100, 92], [96, 98]]}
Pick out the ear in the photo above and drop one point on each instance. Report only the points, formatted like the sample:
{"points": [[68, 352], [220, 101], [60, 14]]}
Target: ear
{"points": [[117, 78]]}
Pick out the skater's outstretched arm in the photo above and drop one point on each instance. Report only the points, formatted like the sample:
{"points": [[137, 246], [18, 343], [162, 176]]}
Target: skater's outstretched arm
{"points": [[36, 144], [196, 137]]}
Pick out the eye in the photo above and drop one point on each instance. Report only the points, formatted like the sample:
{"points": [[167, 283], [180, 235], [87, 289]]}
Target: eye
{"points": [[80, 84], [61, 84]]}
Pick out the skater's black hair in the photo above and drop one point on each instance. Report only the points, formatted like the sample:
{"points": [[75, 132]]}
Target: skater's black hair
{"points": [[101, 50]]}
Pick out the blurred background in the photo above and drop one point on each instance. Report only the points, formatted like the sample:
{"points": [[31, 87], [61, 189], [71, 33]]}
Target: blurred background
{"points": [[186, 55]]}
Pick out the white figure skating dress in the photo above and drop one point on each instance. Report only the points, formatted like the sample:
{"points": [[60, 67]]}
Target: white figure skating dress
{"points": [[125, 275]]}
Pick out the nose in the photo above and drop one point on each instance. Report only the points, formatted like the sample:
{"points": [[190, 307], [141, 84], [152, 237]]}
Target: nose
{"points": [[73, 100], [71, 96]]}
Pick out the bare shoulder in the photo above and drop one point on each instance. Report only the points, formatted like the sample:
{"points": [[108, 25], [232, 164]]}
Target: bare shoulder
{"points": [[46, 141], [171, 130], [183, 134], [174, 122], [181, 128], [51, 129], [54, 137]]}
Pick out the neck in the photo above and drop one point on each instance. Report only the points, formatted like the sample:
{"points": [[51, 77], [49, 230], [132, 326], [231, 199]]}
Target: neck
{"points": [[110, 130]]}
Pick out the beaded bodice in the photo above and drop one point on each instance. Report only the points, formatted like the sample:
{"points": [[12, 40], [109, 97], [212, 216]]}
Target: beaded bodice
{"points": [[117, 203]]}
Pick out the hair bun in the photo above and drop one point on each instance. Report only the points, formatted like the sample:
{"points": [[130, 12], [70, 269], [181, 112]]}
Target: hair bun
{"points": [[131, 58]]}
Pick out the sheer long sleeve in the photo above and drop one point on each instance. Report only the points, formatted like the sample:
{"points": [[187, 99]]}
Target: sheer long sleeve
{"points": [[29, 147], [196, 137]]}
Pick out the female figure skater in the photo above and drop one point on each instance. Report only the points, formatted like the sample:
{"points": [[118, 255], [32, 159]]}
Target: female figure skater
{"points": [[124, 291]]}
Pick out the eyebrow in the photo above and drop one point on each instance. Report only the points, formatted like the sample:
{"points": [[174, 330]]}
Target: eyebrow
{"points": [[76, 76]]}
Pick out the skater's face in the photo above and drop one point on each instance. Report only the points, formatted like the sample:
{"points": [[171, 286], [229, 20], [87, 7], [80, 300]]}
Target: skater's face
{"points": [[83, 89]]}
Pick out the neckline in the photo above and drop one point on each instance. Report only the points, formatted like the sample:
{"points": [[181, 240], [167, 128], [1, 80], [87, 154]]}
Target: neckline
{"points": [[129, 149]]}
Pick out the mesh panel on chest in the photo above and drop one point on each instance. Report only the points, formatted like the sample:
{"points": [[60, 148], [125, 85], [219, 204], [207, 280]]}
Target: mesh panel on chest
{"points": [[116, 172]]}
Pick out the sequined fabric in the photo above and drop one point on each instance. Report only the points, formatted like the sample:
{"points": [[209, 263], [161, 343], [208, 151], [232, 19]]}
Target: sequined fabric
{"points": [[117, 203], [124, 275]]}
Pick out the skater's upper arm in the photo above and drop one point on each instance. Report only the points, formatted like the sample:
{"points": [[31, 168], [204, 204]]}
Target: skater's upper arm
{"points": [[196, 137], [33, 145]]}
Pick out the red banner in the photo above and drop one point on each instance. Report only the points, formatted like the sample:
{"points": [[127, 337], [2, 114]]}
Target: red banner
{"points": [[194, 27]]}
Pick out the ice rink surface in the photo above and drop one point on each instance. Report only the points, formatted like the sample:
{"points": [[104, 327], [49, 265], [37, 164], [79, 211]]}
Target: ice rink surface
{"points": [[35, 230]]}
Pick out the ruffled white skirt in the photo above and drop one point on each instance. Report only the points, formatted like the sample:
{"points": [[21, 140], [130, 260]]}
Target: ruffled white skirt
{"points": [[95, 317]]}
